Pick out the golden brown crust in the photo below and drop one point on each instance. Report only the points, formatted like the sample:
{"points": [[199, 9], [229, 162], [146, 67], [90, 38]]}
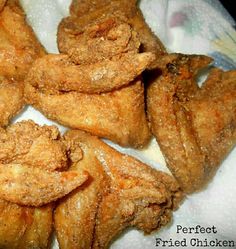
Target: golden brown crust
{"points": [[90, 41], [85, 12], [118, 115], [36, 187], [56, 73], [19, 48], [24, 227], [2, 3], [122, 192], [180, 112], [29, 144]]}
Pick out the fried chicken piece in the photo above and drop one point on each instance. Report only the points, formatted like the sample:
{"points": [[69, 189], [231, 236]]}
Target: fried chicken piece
{"points": [[19, 46], [118, 115], [92, 41], [11, 99], [18, 49], [29, 156], [29, 144], [2, 3], [195, 127], [122, 192], [56, 73], [35, 187], [24, 227], [72, 38]]}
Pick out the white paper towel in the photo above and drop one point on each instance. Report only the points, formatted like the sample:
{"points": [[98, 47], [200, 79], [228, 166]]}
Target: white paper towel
{"points": [[184, 26]]}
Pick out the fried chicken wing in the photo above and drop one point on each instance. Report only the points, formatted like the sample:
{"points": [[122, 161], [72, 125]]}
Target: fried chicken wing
{"points": [[99, 81], [29, 158], [29, 144], [11, 99], [118, 115], [91, 41], [18, 49], [24, 227], [194, 126], [71, 36], [55, 73], [35, 187], [122, 192]]}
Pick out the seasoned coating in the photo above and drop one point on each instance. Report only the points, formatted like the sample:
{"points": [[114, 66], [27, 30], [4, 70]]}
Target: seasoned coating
{"points": [[71, 35], [118, 115], [19, 46], [24, 227], [29, 144], [122, 192], [56, 73], [92, 41], [11, 99], [195, 127], [35, 187], [2, 3], [18, 49], [95, 85]]}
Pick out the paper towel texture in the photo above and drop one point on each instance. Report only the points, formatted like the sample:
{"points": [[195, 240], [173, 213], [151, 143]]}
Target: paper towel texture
{"points": [[184, 26]]}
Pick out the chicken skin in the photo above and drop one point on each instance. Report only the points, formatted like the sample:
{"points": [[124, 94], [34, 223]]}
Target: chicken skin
{"points": [[84, 12], [95, 84], [194, 126], [18, 49], [24, 227], [2, 3], [30, 157], [122, 192]]}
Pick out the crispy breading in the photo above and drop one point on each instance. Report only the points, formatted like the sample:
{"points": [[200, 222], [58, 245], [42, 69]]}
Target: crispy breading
{"points": [[2, 3], [118, 115], [85, 12], [19, 45], [122, 192], [24, 227], [11, 99], [195, 127], [18, 49], [35, 187], [53, 74], [29, 144], [97, 40]]}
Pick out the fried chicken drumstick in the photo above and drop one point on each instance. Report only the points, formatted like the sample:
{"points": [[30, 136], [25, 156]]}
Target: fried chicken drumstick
{"points": [[195, 127], [18, 49], [121, 192]]}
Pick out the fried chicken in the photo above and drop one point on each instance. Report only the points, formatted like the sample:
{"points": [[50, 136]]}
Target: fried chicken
{"points": [[195, 127], [2, 3], [24, 227], [122, 192], [29, 144], [73, 30], [55, 73], [29, 158], [95, 84], [18, 49], [118, 115], [11, 99]]}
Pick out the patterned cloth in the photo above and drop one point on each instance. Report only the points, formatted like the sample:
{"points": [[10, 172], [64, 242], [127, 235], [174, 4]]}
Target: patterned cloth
{"points": [[200, 26]]}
